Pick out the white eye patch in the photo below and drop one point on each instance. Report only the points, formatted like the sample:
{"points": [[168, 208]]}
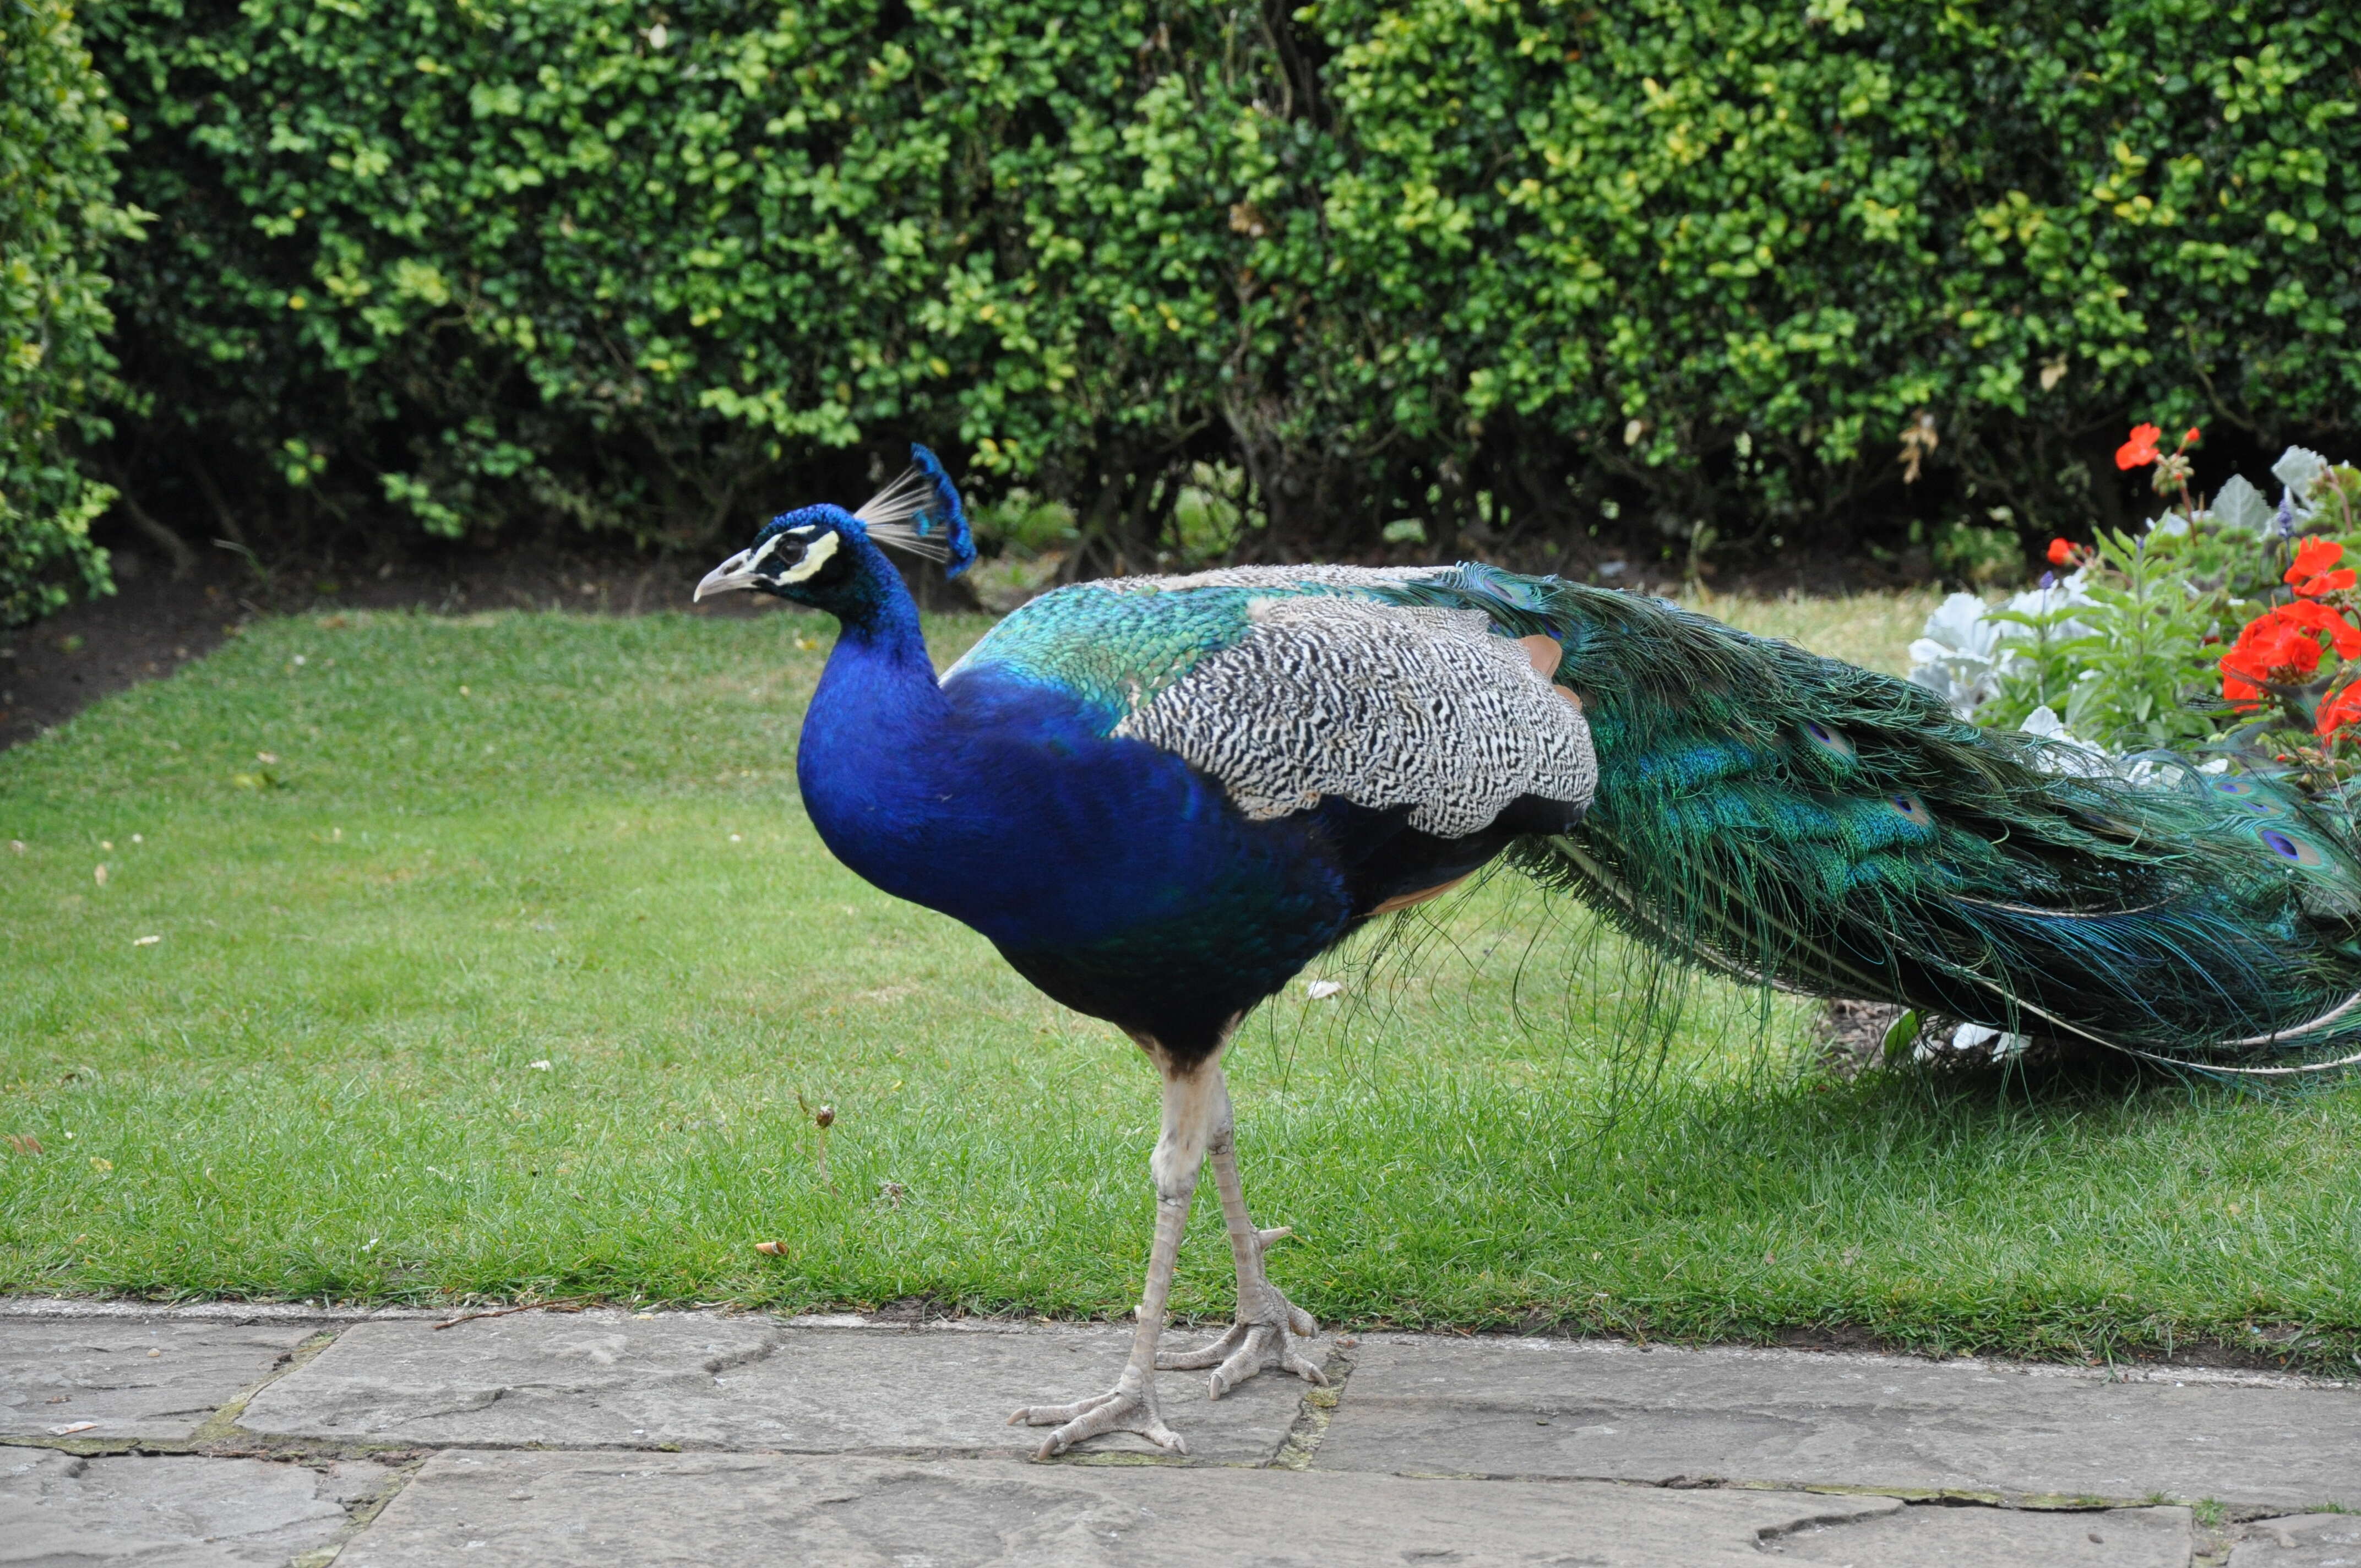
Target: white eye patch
{"points": [[814, 559]]}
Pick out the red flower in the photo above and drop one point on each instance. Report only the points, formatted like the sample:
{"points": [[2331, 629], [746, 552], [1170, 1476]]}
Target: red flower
{"points": [[2281, 656], [2061, 553], [2281, 647], [2310, 573], [2313, 616], [2340, 711], [2193, 435], [2140, 450], [2315, 556]]}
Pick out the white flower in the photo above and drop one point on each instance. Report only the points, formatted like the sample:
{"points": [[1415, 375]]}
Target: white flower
{"points": [[1959, 624], [1322, 990], [2044, 721], [2300, 469]]}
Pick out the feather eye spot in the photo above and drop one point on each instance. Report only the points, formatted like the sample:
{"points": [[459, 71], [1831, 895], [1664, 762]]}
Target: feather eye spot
{"points": [[1911, 809], [2292, 847], [2250, 797], [1830, 741]]}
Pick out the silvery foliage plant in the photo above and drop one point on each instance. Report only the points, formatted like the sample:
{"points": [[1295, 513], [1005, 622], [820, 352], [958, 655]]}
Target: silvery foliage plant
{"points": [[1964, 653]]}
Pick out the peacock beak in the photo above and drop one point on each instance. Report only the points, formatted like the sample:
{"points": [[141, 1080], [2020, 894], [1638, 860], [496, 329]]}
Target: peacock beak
{"points": [[738, 572]]}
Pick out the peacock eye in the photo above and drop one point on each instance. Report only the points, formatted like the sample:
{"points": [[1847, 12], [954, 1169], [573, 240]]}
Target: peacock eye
{"points": [[803, 554], [1828, 742], [780, 553], [2250, 797], [2293, 849]]}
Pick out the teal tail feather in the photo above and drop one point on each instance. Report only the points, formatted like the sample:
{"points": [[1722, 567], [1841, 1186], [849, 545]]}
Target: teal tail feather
{"points": [[1790, 821]]}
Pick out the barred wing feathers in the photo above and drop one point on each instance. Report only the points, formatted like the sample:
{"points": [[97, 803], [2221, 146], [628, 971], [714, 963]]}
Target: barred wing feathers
{"points": [[1291, 685]]}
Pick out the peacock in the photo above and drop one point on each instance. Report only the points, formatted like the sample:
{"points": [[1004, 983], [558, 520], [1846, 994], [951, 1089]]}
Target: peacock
{"points": [[1160, 797]]}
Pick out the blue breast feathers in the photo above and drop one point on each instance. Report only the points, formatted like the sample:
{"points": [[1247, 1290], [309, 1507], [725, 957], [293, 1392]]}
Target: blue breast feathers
{"points": [[1016, 813]]}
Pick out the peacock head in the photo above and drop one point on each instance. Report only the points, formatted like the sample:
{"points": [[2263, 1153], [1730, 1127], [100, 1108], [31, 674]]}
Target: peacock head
{"points": [[824, 557]]}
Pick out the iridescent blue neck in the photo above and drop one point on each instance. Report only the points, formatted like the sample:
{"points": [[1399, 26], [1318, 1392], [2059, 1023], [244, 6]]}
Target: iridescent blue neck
{"points": [[873, 725], [880, 620]]}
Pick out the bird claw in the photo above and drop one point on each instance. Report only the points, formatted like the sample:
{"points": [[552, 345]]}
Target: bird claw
{"points": [[1101, 1413], [1246, 1348]]}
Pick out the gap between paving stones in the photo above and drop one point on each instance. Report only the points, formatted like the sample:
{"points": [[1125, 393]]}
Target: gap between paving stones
{"points": [[1302, 1445], [364, 1514]]}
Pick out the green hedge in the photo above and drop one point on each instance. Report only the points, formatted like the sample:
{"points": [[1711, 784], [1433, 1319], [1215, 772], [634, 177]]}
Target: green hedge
{"points": [[1732, 252], [57, 215], [639, 267], [1690, 268]]}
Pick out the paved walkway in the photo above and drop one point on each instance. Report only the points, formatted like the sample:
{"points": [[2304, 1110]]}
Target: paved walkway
{"points": [[240, 1435]]}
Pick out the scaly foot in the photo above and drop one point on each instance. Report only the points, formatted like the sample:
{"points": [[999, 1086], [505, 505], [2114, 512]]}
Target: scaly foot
{"points": [[1122, 1411], [1268, 1331], [1248, 1348]]}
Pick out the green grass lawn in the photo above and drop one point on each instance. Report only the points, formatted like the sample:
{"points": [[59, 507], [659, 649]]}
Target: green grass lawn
{"points": [[439, 956]]}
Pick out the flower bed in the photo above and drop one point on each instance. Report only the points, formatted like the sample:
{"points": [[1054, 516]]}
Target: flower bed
{"points": [[2224, 628]]}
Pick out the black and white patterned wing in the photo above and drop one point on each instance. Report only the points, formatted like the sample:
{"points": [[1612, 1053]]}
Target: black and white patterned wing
{"points": [[1383, 705]]}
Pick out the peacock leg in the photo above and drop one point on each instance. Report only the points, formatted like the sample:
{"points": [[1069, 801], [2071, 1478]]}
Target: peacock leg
{"points": [[1270, 1328], [1192, 1100]]}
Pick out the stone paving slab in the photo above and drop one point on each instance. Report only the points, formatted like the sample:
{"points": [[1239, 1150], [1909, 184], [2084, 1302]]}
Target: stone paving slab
{"points": [[838, 1441], [559, 1511], [604, 1378], [58, 1507], [1426, 1405], [2307, 1540], [1997, 1538], [131, 1377]]}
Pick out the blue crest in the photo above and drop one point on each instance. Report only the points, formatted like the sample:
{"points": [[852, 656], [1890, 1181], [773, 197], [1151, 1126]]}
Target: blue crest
{"points": [[921, 513]]}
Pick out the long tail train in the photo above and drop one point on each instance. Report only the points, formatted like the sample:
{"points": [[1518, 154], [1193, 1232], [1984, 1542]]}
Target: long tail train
{"points": [[1788, 819]]}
